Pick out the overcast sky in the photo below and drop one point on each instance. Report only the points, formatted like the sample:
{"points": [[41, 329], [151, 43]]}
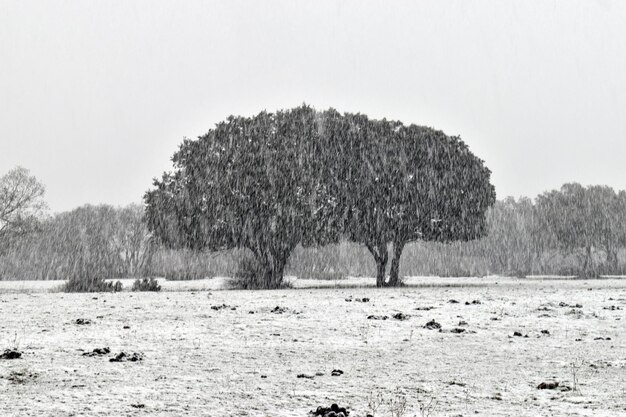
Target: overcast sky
{"points": [[95, 96]]}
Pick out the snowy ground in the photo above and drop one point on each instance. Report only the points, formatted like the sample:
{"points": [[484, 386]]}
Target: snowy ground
{"points": [[204, 362]]}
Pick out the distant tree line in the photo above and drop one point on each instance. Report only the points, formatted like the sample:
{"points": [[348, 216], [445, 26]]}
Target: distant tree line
{"points": [[575, 231], [524, 237], [101, 242]]}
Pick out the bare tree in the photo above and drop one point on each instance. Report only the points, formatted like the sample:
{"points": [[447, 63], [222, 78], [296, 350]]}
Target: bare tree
{"points": [[21, 204], [134, 240]]}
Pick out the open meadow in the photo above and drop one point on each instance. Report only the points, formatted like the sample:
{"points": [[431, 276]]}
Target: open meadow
{"points": [[286, 352]]}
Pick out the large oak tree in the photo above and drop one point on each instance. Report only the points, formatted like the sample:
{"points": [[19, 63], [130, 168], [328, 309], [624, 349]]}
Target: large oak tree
{"points": [[251, 182], [272, 181], [408, 183]]}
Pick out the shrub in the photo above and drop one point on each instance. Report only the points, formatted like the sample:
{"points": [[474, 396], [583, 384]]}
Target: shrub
{"points": [[146, 285], [91, 285]]}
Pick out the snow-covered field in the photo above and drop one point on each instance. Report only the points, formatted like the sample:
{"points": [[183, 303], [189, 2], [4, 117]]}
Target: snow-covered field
{"points": [[199, 361]]}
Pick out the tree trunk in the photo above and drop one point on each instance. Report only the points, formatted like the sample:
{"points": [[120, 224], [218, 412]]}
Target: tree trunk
{"points": [[379, 251], [278, 268], [380, 273], [588, 263], [270, 266], [611, 260], [394, 280], [273, 266]]}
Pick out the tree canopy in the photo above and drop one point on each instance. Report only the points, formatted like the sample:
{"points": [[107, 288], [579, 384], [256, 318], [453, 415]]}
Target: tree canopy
{"points": [[274, 180], [408, 183], [248, 183]]}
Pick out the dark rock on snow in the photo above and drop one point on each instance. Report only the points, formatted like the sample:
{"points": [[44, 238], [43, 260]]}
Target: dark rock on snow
{"points": [[332, 411], [548, 385], [400, 316], [222, 307], [432, 325], [98, 352], [11, 354], [124, 357]]}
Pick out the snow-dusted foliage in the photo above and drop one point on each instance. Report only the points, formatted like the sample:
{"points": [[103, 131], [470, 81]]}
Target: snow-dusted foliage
{"points": [[248, 183], [275, 180], [405, 183]]}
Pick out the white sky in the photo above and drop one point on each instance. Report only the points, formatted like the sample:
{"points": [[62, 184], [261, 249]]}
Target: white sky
{"points": [[95, 96]]}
